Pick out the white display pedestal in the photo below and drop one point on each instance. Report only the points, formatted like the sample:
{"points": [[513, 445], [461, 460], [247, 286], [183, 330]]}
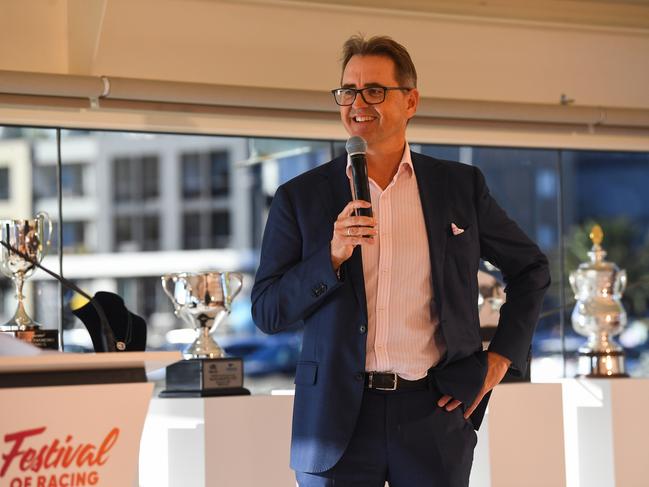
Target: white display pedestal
{"points": [[218, 441], [521, 441], [606, 432], [83, 434], [576, 433]]}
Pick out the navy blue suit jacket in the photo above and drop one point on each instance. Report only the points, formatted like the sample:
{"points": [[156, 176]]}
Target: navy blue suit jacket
{"points": [[296, 285]]}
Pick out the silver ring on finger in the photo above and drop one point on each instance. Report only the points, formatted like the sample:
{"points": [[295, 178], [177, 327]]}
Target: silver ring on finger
{"points": [[349, 231]]}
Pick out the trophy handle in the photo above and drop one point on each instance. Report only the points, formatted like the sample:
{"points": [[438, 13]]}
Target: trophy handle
{"points": [[233, 283], [164, 279], [572, 278], [43, 217], [622, 281]]}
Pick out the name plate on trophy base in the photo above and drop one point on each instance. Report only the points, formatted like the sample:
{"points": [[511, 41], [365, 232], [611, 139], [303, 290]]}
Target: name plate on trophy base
{"points": [[46, 339], [205, 377]]}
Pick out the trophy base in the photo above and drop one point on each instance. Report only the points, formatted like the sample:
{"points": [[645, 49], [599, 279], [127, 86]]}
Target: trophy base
{"points": [[45, 339], [205, 378], [236, 391], [601, 365]]}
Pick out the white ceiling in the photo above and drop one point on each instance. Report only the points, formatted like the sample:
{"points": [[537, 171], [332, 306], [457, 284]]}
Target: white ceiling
{"points": [[604, 13]]}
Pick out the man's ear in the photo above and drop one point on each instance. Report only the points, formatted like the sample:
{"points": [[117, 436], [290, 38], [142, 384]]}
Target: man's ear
{"points": [[413, 101]]}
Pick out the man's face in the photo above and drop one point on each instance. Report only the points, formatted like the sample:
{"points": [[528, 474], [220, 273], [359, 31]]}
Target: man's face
{"points": [[384, 124]]}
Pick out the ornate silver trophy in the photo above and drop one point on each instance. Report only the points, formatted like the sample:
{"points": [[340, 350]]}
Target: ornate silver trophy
{"points": [[203, 300], [25, 242], [598, 314]]}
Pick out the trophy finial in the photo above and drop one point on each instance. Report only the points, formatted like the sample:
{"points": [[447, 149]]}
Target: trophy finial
{"points": [[596, 235]]}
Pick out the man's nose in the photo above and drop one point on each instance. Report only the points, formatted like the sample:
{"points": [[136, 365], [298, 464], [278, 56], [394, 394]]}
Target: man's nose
{"points": [[359, 102]]}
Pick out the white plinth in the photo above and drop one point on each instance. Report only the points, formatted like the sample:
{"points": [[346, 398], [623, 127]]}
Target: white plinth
{"points": [[606, 433], [223, 441], [576, 433], [521, 441]]}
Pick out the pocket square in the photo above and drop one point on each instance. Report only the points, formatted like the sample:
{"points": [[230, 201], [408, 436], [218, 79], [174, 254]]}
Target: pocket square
{"points": [[456, 230]]}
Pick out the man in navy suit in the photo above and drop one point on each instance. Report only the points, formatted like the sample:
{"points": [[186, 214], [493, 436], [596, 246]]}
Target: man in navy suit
{"points": [[392, 379]]}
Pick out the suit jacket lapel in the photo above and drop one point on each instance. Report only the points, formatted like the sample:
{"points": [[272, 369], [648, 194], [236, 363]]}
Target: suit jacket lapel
{"points": [[340, 195], [431, 180]]}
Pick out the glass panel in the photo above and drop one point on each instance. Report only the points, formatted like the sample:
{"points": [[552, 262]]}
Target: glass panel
{"points": [[220, 229], [192, 231], [71, 180], [4, 183], [525, 183], [122, 179], [150, 177], [610, 188], [219, 173], [24, 152], [156, 195], [45, 185], [192, 177], [151, 233], [123, 233]]}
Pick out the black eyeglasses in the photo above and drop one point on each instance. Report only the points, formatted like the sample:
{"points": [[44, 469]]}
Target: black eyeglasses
{"points": [[372, 95]]}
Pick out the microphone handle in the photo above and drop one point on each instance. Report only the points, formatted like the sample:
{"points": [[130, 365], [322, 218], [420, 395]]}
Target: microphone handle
{"points": [[360, 183]]}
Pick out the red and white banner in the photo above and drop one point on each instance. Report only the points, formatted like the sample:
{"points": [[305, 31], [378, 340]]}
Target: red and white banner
{"points": [[72, 436]]}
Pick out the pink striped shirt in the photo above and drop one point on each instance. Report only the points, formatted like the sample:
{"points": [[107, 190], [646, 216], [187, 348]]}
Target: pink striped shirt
{"points": [[402, 332]]}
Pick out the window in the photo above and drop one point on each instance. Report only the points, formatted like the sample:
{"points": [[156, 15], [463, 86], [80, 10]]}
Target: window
{"points": [[204, 201], [135, 179], [137, 233], [45, 184], [220, 230], [192, 231], [219, 173], [46, 180], [72, 179], [191, 175], [207, 229], [205, 174], [4, 183]]}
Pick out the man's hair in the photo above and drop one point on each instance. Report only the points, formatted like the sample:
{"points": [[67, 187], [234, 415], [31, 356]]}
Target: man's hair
{"points": [[404, 69]]}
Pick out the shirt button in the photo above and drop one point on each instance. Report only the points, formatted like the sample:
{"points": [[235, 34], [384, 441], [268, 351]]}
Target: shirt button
{"points": [[362, 328]]}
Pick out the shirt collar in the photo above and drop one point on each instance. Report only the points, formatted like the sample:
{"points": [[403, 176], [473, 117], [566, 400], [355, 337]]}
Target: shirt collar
{"points": [[404, 165]]}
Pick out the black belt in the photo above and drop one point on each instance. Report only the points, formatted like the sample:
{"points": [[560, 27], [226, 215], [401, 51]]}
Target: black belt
{"points": [[389, 381]]}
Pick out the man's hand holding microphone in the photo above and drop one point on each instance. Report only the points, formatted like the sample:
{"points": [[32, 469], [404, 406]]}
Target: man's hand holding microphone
{"points": [[355, 225]]}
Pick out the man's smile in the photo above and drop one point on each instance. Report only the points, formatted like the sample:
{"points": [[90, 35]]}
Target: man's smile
{"points": [[363, 118]]}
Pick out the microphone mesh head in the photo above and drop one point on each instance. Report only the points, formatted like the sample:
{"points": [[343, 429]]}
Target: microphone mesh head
{"points": [[356, 145]]}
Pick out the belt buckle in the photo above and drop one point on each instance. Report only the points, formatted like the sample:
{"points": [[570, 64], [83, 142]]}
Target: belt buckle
{"points": [[394, 383]]}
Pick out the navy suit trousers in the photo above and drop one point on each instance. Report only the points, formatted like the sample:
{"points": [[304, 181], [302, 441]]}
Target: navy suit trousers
{"points": [[404, 438]]}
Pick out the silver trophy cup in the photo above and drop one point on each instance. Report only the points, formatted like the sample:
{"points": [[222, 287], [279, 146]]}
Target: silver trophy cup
{"points": [[202, 300], [31, 238], [598, 314]]}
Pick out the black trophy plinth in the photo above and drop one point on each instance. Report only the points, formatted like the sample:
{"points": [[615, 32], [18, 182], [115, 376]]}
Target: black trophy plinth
{"points": [[45, 339], [205, 377]]}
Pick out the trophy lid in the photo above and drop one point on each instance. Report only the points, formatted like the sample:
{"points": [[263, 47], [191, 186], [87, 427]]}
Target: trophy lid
{"points": [[597, 254]]}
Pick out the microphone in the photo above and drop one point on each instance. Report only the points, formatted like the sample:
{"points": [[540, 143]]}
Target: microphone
{"points": [[356, 148]]}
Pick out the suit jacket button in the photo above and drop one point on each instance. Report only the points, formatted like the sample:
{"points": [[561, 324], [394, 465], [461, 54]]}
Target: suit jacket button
{"points": [[360, 376], [362, 328]]}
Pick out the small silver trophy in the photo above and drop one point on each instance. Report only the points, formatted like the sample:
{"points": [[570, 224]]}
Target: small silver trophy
{"points": [[25, 242], [598, 314], [203, 300]]}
